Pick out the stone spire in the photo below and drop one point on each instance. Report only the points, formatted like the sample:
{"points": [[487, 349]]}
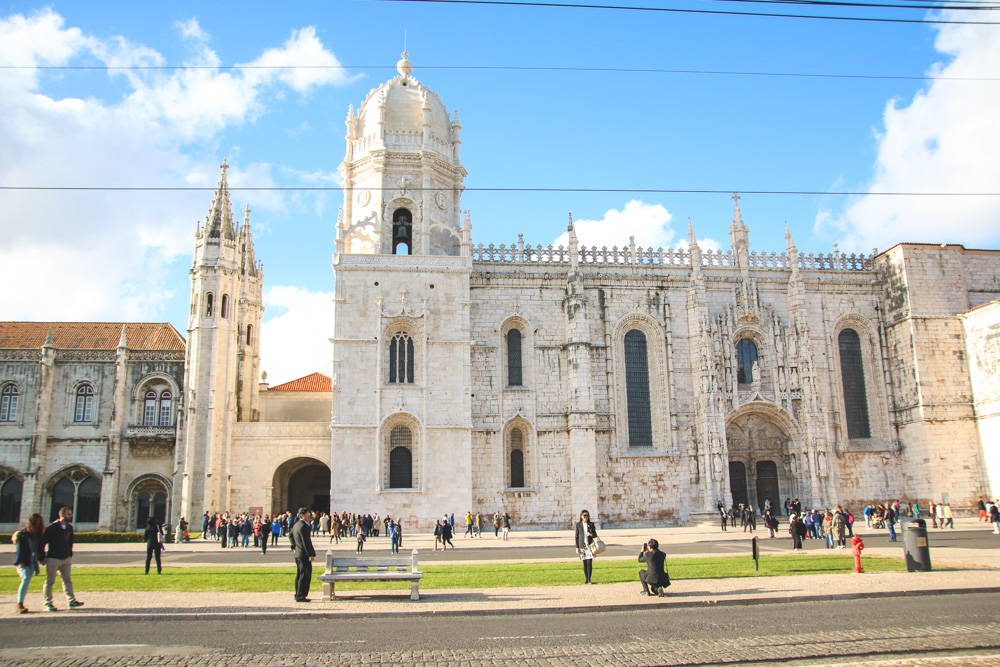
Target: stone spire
{"points": [[248, 261], [220, 217], [793, 252], [122, 342], [574, 247], [694, 249]]}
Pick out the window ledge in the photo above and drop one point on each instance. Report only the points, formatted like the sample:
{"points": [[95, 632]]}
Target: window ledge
{"points": [[513, 489], [410, 490], [644, 452], [516, 387]]}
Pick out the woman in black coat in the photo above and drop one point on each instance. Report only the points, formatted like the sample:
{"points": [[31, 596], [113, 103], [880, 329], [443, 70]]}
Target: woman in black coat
{"points": [[586, 535], [154, 545]]}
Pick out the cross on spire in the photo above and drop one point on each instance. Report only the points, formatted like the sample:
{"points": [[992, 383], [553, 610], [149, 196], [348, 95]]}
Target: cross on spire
{"points": [[224, 167]]}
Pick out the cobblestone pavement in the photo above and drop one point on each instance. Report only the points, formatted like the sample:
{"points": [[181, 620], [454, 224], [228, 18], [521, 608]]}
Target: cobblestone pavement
{"points": [[921, 646]]}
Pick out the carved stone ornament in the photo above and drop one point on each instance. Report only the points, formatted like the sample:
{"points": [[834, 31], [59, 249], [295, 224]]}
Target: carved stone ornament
{"points": [[364, 197], [441, 200]]}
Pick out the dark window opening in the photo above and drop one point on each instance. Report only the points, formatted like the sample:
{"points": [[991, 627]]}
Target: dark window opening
{"points": [[10, 500], [640, 423], [400, 468], [224, 313], [402, 232], [63, 495], [401, 358], [209, 303], [514, 358], [852, 373], [746, 355]]}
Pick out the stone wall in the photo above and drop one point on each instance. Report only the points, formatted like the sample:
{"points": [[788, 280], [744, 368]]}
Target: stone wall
{"points": [[982, 335]]}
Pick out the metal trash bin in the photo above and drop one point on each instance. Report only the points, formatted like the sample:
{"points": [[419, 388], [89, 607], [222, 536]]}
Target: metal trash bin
{"points": [[915, 547]]}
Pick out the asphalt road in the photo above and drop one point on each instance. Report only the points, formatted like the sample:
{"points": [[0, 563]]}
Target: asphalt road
{"points": [[178, 554], [926, 625]]}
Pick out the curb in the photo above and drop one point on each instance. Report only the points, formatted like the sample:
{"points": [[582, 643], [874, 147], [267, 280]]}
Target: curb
{"points": [[657, 604]]}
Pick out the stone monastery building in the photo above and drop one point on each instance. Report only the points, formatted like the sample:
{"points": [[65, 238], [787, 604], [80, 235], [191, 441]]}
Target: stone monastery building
{"points": [[642, 384]]}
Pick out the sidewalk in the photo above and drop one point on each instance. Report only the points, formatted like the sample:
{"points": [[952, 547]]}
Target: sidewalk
{"points": [[975, 570]]}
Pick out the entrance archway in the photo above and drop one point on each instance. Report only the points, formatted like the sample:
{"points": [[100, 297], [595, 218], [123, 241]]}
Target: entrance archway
{"points": [[758, 442], [301, 482], [738, 482]]}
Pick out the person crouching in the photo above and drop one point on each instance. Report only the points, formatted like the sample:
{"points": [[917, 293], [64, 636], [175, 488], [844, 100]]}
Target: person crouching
{"points": [[654, 578]]}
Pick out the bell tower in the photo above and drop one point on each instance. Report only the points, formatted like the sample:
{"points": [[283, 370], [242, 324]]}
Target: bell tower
{"points": [[222, 354], [402, 343], [402, 172]]}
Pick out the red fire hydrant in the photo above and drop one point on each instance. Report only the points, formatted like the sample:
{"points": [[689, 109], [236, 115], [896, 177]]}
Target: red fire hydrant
{"points": [[857, 544]]}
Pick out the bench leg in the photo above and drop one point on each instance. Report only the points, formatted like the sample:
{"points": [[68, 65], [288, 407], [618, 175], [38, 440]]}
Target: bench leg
{"points": [[414, 590], [328, 591]]}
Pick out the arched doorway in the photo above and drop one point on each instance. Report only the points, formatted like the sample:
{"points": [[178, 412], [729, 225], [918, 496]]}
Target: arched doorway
{"points": [[738, 482], [301, 482], [758, 445]]}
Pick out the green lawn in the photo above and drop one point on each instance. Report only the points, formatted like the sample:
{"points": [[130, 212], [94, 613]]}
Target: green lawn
{"points": [[224, 579]]}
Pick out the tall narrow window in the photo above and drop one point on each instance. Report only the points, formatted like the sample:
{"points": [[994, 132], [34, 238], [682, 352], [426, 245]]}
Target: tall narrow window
{"points": [[224, 313], [852, 374], [84, 403], [209, 304], [640, 426], [400, 458], [746, 355], [402, 232], [516, 459], [401, 358], [142, 510], [149, 409], [249, 334], [514, 358], [8, 403], [10, 500], [165, 404]]}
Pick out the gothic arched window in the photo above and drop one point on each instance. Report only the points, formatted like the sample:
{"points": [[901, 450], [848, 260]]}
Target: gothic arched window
{"points": [[402, 232], [209, 304], [84, 403], [10, 500], [401, 358], [400, 458], [640, 427], [746, 355], [249, 334], [852, 374], [8, 403], [514, 358], [88, 503], [224, 312], [63, 495]]}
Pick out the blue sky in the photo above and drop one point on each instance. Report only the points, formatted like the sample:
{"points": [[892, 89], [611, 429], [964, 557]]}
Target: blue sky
{"points": [[125, 255]]}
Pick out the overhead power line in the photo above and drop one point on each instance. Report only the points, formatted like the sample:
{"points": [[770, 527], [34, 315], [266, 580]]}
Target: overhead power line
{"points": [[678, 10], [512, 68], [60, 188]]}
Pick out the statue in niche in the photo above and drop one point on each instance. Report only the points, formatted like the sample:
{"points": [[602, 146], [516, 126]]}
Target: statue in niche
{"points": [[792, 351], [795, 379], [779, 344], [781, 379]]}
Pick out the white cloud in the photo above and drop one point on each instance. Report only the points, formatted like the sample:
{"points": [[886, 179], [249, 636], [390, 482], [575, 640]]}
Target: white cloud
{"points": [[946, 139], [93, 255], [649, 224], [296, 342]]}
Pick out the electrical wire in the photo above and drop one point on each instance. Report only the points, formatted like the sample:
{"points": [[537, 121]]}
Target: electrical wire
{"points": [[677, 10], [60, 188]]}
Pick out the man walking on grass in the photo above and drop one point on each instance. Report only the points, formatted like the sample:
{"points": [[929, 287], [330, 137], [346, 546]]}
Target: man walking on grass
{"points": [[58, 558]]}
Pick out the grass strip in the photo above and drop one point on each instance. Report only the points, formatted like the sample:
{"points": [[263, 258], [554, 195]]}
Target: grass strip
{"points": [[228, 579]]}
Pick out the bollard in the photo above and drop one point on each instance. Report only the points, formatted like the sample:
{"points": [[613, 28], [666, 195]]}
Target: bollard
{"points": [[857, 544]]}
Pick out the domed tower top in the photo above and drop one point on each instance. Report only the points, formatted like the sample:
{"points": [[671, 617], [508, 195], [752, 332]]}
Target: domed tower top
{"points": [[402, 172]]}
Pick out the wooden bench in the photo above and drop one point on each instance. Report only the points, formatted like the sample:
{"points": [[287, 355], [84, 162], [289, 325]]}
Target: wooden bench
{"points": [[374, 568]]}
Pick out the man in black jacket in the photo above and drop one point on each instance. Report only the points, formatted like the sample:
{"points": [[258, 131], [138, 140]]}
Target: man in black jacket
{"points": [[302, 545], [58, 558], [654, 577]]}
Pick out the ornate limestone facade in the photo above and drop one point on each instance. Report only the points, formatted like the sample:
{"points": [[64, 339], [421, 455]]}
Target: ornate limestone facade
{"points": [[642, 384]]}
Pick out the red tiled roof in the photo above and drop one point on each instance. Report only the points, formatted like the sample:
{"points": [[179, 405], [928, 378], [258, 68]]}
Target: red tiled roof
{"points": [[90, 335], [314, 382]]}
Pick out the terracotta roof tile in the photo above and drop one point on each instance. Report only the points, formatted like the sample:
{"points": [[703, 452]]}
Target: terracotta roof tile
{"points": [[90, 335], [313, 382]]}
